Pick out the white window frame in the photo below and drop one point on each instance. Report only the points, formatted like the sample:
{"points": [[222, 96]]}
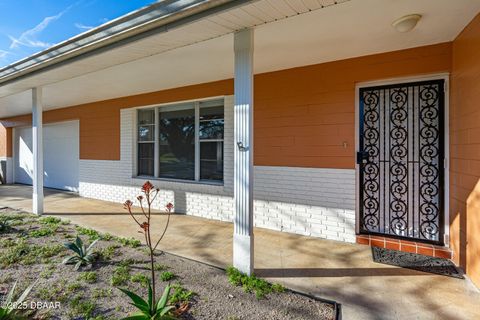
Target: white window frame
{"points": [[198, 141]]}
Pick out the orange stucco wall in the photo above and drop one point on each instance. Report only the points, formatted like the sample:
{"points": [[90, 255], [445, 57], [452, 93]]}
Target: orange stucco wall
{"points": [[100, 121], [304, 117], [465, 150], [5, 141]]}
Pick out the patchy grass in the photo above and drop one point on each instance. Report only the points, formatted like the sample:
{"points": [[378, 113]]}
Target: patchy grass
{"points": [[94, 235], [43, 232], [23, 253], [83, 308], [159, 267], [102, 293], [260, 287], [180, 294], [92, 294], [130, 242], [48, 271], [88, 277], [73, 287], [50, 220], [120, 276], [107, 253], [140, 278], [90, 233], [167, 276]]}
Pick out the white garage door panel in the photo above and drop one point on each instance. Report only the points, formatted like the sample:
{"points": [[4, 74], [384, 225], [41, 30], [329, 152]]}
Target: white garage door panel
{"points": [[60, 152]]}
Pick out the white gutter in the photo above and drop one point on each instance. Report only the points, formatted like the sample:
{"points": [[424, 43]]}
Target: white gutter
{"points": [[158, 17]]}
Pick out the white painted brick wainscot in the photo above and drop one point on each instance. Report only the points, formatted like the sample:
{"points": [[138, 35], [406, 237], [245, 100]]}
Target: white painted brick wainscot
{"points": [[308, 201]]}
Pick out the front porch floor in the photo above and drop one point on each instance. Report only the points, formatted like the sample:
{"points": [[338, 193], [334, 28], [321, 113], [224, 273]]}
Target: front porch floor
{"points": [[328, 269]]}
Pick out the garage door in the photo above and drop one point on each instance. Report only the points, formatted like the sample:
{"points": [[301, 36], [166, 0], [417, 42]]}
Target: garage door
{"points": [[60, 152]]}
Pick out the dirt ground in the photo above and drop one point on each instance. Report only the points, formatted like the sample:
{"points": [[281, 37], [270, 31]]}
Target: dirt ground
{"points": [[31, 249]]}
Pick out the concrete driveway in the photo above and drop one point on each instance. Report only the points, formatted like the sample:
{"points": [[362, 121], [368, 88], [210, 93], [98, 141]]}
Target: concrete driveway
{"points": [[327, 269]]}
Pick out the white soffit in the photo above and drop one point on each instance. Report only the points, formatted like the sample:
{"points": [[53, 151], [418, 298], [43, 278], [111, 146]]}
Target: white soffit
{"points": [[289, 33]]}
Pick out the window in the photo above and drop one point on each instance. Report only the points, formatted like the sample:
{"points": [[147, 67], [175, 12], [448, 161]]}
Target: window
{"points": [[146, 142], [211, 140], [182, 141]]}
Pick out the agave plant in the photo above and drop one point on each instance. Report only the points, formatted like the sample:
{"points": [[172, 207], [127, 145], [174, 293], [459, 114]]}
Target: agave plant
{"points": [[4, 224], [149, 310], [8, 308], [83, 255]]}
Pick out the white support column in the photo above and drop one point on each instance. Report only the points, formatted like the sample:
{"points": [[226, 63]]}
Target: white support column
{"points": [[37, 141], [243, 176]]}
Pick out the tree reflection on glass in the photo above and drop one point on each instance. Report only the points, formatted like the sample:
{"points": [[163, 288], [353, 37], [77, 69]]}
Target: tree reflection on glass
{"points": [[177, 144]]}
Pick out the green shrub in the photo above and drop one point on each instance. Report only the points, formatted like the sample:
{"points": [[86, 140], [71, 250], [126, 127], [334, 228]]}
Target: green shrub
{"points": [[252, 284], [167, 276]]}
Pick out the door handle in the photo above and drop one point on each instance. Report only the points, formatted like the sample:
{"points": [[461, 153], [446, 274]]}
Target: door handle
{"points": [[362, 157]]}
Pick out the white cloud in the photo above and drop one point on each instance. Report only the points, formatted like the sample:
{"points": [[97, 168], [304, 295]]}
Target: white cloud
{"points": [[3, 54], [83, 27], [29, 37]]}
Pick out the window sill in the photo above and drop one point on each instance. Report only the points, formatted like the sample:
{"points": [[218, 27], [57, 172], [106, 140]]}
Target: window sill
{"points": [[207, 183]]}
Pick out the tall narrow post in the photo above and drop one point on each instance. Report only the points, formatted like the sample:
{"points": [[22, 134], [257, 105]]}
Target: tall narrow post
{"points": [[37, 141], [243, 175]]}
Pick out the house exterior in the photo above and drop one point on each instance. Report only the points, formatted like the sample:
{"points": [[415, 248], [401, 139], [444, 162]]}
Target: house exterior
{"points": [[295, 116]]}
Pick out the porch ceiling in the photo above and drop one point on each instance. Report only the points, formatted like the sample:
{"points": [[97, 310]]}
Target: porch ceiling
{"points": [[288, 33]]}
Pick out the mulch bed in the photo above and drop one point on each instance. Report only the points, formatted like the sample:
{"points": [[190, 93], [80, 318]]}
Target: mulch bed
{"points": [[215, 297]]}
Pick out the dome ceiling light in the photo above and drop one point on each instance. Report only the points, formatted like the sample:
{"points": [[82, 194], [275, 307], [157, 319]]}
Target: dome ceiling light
{"points": [[406, 23]]}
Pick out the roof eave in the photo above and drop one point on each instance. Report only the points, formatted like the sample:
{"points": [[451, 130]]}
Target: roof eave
{"points": [[158, 17]]}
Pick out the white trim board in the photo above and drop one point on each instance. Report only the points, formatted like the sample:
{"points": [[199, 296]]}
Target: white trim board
{"points": [[399, 80]]}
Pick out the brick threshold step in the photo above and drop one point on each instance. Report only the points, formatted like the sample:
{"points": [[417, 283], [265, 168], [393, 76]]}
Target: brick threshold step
{"points": [[405, 246]]}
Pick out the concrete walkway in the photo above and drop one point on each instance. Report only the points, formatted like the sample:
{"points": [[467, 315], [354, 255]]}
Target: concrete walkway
{"points": [[328, 269]]}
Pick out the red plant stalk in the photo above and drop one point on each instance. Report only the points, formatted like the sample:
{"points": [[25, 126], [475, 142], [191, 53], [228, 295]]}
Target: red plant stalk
{"points": [[150, 193]]}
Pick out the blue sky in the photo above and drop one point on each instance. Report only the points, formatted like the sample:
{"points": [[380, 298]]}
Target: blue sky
{"points": [[29, 26]]}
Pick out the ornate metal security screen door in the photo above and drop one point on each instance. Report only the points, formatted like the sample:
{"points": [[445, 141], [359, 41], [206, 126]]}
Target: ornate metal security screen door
{"points": [[401, 160]]}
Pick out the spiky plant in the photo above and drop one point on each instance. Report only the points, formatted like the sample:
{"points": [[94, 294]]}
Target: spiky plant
{"points": [[9, 308], [4, 224], [150, 310], [83, 256], [146, 200]]}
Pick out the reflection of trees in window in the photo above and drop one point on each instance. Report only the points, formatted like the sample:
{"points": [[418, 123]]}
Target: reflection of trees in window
{"points": [[182, 130], [177, 144]]}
